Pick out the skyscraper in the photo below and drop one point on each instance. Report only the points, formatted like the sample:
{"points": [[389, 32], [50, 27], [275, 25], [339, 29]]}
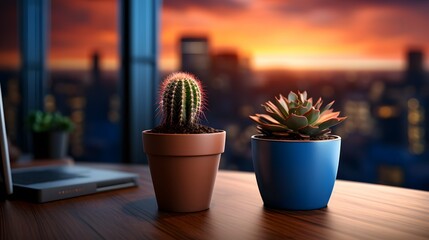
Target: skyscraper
{"points": [[195, 56], [403, 107], [226, 70], [95, 70], [415, 74], [97, 94]]}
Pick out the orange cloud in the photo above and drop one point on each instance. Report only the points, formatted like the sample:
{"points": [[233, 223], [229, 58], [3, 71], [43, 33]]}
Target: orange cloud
{"points": [[80, 28], [368, 37]]}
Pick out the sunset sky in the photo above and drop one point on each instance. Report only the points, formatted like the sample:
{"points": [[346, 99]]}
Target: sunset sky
{"points": [[297, 34]]}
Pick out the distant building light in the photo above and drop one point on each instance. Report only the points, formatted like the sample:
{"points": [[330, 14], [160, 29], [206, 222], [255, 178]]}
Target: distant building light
{"points": [[415, 133], [359, 119], [376, 90], [416, 130], [417, 148], [413, 103], [387, 111], [390, 175], [77, 102], [414, 117], [77, 116], [50, 105]]}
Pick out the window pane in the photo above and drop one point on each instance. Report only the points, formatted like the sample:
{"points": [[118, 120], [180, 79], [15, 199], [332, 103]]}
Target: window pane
{"points": [[369, 57], [83, 82]]}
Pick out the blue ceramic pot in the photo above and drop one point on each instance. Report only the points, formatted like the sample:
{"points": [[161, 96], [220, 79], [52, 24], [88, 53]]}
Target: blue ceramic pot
{"points": [[295, 175]]}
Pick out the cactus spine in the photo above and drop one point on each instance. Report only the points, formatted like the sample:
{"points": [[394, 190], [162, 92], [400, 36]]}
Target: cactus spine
{"points": [[181, 100]]}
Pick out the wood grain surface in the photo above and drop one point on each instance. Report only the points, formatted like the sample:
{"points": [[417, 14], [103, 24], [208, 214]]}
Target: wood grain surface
{"points": [[356, 211]]}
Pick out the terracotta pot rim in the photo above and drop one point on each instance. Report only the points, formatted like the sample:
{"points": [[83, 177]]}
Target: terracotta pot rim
{"points": [[148, 132], [183, 144], [260, 137]]}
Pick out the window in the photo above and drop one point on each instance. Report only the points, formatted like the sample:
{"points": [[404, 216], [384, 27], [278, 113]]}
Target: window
{"points": [[101, 70], [84, 76], [369, 57]]}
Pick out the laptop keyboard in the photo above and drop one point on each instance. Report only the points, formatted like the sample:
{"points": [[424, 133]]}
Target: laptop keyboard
{"points": [[41, 176]]}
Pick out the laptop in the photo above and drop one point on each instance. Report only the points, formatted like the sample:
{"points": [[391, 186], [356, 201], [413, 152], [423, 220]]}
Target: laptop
{"points": [[49, 183]]}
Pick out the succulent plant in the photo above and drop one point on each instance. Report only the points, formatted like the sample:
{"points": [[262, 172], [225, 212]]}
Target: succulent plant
{"points": [[181, 100], [296, 117], [39, 121]]}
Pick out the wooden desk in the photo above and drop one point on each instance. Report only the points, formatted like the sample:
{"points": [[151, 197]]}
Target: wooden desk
{"points": [[356, 211]]}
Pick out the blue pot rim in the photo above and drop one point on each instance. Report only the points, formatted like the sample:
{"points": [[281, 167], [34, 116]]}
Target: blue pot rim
{"points": [[260, 137]]}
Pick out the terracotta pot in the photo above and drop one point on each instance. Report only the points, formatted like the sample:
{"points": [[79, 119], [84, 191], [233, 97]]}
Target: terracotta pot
{"points": [[183, 168]]}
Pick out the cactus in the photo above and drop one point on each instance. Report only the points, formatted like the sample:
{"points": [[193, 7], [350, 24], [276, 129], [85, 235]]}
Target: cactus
{"points": [[181, 100], [295, 117]]}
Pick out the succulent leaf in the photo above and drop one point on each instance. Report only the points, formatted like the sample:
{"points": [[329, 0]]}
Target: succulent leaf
{"points": [[328, 106], [331, 122], [274, 108], [323, 132], [292, 97], [309, 130], [267, 125], [300, 110], [312, 115], [296, 122], [325, 117], [302, 96], [273, 128], [282, 105], [267, 118], [318, 104]]}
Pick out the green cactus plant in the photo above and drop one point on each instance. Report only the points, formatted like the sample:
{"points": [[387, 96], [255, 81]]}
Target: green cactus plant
{"points": [[296, 117], [182, 100]]}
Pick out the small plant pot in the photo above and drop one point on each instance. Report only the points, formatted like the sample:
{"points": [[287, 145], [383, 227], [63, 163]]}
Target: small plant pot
{"points": [[183, 168], [295, 175], [50, 145]]}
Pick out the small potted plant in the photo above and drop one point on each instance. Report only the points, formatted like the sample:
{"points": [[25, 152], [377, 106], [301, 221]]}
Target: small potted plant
{"points": [[183, 155], [50, 132], [295, 157]]}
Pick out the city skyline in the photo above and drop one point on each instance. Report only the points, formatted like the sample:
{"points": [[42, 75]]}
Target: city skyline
{"points": [[357, 35]]}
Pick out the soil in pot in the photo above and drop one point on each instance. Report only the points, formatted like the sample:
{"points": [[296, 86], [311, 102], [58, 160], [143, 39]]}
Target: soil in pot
{"points": [[187, 129]]}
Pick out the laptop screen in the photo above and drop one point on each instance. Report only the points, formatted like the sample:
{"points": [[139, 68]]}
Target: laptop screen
{"points": [[5, 175]]}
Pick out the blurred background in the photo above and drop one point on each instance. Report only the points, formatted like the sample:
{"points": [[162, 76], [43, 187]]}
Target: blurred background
{"points": [[100, 62]]}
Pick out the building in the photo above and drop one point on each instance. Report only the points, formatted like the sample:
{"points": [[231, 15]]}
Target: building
{"points": [[400, 115], [415, 73], [195, 56]]}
